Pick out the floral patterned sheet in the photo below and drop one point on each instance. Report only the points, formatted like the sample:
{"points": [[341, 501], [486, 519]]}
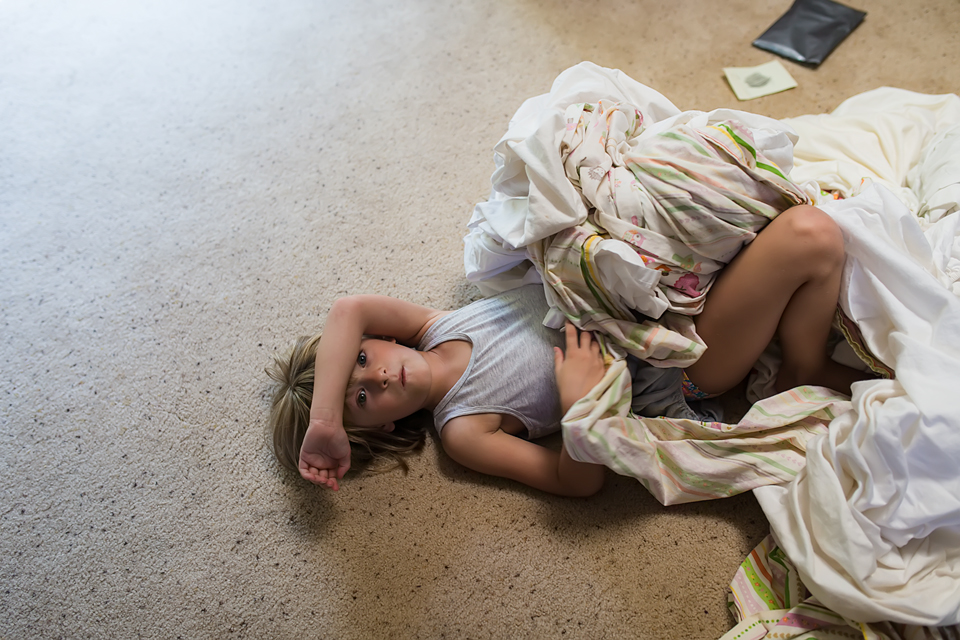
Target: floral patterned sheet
{"points": [[624, 205], [865, 503]]}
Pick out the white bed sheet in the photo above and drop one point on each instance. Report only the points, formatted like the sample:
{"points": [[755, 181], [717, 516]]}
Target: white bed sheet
{"points": [[873, 521]]}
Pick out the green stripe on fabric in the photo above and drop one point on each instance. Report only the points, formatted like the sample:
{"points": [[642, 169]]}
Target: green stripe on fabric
{"points": [[687, 140], [772, 169], [740, 141], [760, 165], [809, 395], [776, 555], [759, 587], [658, 170], [791, 416], [623, 470], [818, 611], [764, 459], [687, 479]]}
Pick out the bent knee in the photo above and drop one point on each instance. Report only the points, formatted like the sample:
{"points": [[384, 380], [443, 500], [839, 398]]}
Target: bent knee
{"points": [[813, 235]]}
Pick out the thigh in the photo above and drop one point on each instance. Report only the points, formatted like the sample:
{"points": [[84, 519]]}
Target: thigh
{"points": [[744, 307]]}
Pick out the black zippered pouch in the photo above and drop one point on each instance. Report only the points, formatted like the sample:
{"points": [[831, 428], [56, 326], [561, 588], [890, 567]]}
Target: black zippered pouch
{"points": [[810, 30]]}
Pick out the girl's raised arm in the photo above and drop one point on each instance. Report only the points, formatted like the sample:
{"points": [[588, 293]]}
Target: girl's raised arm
{"points": [[325, 454]]}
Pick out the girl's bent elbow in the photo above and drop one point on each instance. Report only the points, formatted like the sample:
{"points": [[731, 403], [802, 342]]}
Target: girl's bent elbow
{"points": [[589, 485], [343, 305], [596, 486]]}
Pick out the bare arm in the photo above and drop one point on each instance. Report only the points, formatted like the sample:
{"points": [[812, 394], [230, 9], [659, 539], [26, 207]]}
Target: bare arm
{"points": [[325, 454], [478, 443]]}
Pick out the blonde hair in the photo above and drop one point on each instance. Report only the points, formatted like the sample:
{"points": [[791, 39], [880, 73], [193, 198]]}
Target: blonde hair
{"points": [[290, 415]]}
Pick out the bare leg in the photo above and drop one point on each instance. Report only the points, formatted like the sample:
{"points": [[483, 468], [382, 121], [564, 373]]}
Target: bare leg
{"points": [[785, 283]]}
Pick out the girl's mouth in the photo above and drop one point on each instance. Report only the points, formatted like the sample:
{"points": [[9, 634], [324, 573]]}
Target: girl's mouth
{"points": [[403, 377]]}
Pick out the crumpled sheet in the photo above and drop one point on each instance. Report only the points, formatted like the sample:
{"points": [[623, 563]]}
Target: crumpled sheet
{"points": [[769, 600], [680, 460], [872, 522], [620, 212], [532, 195], [902, 140]]}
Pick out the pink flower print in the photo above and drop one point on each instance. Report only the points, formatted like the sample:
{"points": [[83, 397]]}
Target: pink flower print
{"points": [[635, 221], [688, 284]]}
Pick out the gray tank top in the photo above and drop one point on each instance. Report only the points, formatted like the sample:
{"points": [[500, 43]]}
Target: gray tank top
{"points": [[511, 365]]}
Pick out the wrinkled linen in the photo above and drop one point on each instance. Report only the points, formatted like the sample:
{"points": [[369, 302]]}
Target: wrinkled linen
{"points": [[680, 460], [905, 141], [902, 140], [769, 600], [935, 179], [666, 217], [867, 505], [872, 522], [620, 213], [528, 170]]}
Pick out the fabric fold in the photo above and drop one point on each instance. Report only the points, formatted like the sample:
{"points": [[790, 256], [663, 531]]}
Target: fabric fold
{"points": [[625, 208], [680, 460]]}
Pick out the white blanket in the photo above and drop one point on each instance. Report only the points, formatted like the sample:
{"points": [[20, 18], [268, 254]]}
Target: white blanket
{"points": [[873, 521]]}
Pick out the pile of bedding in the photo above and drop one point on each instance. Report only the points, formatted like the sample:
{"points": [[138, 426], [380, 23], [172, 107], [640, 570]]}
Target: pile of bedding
{"points": [[873, 520], [624, 208]]}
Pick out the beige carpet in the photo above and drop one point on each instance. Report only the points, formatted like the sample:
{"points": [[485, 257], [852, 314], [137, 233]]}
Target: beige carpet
{"points": [[186, 186]]}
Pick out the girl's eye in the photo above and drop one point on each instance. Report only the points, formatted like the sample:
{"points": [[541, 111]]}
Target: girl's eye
{"points": [[362, 359], [361, 398]]}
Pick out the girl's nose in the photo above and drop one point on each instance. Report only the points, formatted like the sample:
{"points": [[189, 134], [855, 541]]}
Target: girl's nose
{"points": [[384, 378]]}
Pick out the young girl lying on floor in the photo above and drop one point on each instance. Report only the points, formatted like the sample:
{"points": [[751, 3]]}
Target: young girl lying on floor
{"points": [[495, 378]]}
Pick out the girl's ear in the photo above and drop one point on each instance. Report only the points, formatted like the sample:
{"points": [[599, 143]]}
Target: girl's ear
{"points": [[389, 427]]}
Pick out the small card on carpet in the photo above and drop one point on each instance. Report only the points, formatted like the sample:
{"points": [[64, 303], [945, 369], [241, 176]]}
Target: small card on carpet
{"points": [[755, 82]]}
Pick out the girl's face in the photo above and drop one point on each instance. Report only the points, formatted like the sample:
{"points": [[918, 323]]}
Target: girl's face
{"points": [[389, 382]]}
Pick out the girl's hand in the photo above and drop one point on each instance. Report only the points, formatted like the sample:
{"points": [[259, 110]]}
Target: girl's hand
{"points": [[580, 370], [325, 453]]}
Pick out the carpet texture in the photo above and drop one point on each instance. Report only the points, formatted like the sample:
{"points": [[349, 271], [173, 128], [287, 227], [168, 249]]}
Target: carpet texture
{"points": [[185, 187]]}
